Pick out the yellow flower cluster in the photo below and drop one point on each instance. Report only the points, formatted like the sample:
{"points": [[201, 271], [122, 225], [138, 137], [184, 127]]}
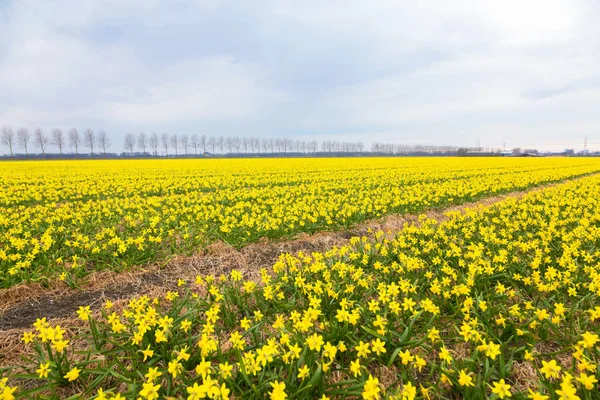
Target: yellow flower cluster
{"points": [[44, 333], [63, 219], [464, 308]]}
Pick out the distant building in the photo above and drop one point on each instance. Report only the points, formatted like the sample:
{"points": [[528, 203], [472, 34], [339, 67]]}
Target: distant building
{"points": [[529, 154], [569, 152]]}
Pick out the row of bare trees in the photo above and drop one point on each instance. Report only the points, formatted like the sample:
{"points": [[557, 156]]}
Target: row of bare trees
{"points": [[163, 145], [23, 139], [183, 145], [403, 149], [331, 146], [179, 145]]}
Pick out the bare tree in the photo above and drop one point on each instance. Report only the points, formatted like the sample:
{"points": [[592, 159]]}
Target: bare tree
{"points": [[236, 144], [129, 142], [23, 137], [8, 138], [142, 141], [264, 144], [74, 140], [40, 141], [153, 143], [103, 141], [203, 143], [194, 142], [58, 139], [314, 145], [184, 141], [221, 144], [212, 143], [174, 142], [90, 139], [164, 140], [257, 144]]}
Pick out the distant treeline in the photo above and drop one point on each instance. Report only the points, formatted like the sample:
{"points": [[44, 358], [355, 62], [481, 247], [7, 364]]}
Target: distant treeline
{"points": [[394, 149], [140, 155], [90, 144]]}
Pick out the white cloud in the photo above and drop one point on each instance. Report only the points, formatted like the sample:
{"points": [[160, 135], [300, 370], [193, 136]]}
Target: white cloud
{"points": [[50, 77], [434, 71], [212, 88]]}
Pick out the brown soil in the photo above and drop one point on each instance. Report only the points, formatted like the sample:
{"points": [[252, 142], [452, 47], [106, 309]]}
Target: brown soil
{"points": [[22, 305]]}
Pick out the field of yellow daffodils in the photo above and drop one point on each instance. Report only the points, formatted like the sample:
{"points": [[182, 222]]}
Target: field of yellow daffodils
{"points": [[495, 302], [63, 219]]}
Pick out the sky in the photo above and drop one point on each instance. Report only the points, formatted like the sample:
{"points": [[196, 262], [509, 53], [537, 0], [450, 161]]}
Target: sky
{"points": [[519, 73]]}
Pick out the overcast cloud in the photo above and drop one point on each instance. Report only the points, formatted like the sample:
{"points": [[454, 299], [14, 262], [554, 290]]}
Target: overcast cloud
{"points": [[433, 72]]}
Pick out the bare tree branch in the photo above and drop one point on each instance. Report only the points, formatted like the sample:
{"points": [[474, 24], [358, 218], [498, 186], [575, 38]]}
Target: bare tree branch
{"points": [[103, 141], [90, 139], [184, 141], [174, 142], [153, 142], [23, 137], [164, 140], [58, 139], [74, 140], [8, 138], [40, 140], [130, 142], [142, 142]]}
